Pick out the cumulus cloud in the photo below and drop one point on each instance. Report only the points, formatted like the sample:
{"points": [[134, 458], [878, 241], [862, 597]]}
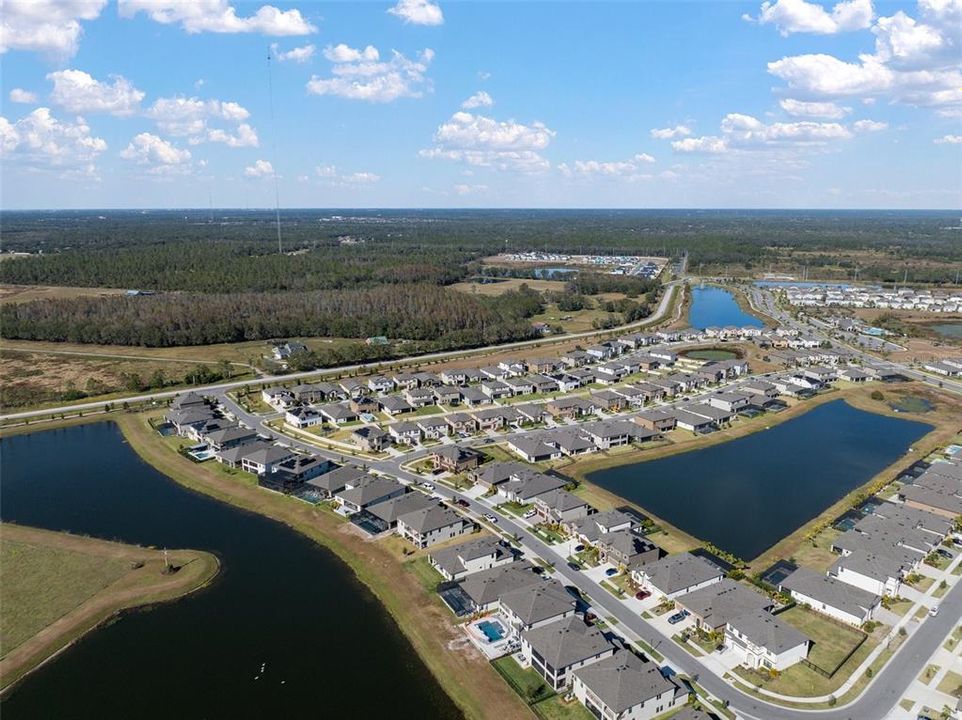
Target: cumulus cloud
{"points": [[361, 75], [745, 132], [78, 92], [160, 156], [47, 26], [868, 126], [485, 142], [630, 169], [41, 140], [479, 99], [799, 16], [915, 62], [800, 108], [671, 133], [260, 168], [193, 118], [19, 95], [948, 140], [298, 54], [218, 16], [418, 12]]}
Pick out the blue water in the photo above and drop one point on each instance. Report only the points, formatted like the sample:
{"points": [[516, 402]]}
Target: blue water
{"points": [[492, 631], [714, 307], [745, 495]]}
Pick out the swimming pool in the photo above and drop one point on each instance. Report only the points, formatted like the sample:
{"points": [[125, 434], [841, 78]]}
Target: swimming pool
{"points": [[493, 631]]}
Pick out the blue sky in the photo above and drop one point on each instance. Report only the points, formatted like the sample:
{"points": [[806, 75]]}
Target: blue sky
{"points": [[154, 103]]}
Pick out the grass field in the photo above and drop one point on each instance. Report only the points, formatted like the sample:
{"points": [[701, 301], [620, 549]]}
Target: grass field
{"points": [[833, 641], [25, 293], [54, 587]]}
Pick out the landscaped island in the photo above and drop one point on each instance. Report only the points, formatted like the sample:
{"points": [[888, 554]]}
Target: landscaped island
{"points": [[56, 587]]}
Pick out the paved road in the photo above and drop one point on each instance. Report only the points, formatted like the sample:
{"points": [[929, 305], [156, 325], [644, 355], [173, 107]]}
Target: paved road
{"points": [[219, 388], [881, 696]]}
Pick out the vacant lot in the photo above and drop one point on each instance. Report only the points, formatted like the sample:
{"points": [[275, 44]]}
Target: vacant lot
{"points": [[55, 587], [504, 285]]}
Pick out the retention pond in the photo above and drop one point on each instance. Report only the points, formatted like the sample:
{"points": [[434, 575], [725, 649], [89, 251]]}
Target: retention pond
{"points": [[286, 631], [747, 494]]}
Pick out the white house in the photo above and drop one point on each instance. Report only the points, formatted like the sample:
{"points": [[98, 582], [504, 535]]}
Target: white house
{"points": [[760, 640], [625, 687], [555, 651], [827, 595]]}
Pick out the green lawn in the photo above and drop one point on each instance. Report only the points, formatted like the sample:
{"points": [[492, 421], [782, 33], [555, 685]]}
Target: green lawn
{"points": [[832, 640], [41, 584], [555, 708], [524, 681], [427, 575], [515, 508], [900, 606]]}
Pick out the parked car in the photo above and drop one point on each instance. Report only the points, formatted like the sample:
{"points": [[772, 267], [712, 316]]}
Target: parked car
{"points": [[642, 594], [490, 518], [678, 617], [579, 548], [574, 566], [611, 572], [944, 553], [529, 514], [461, 502], [428, 486], [933, 611]]}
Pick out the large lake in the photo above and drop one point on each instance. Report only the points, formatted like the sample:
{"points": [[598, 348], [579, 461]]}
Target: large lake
{"points": [[715, 307], [745, 495], [330, 649]]}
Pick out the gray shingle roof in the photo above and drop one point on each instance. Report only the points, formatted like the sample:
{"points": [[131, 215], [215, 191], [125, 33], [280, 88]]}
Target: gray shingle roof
{"points": [[567, 641], [720, 602], [624, 680], [391, 510], [767, 631], [430, 519], [452, 558], [536, 603], [488, 585], [834, 593], [677, 572]]}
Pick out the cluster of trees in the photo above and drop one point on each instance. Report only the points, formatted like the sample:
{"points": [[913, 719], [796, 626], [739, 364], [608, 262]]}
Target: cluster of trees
{"points": [[415, 312], [593, 283]]}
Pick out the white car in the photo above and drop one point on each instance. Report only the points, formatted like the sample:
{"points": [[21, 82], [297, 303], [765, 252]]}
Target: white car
{"points": [[490, 518], [530, 514], [933, 611], [428, 486]]}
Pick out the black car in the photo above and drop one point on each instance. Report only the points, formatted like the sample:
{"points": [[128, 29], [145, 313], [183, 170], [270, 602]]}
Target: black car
{"points": [[574, 566]]}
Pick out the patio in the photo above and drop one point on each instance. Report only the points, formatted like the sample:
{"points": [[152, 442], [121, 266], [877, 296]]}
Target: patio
{"points": [[492, 635]]}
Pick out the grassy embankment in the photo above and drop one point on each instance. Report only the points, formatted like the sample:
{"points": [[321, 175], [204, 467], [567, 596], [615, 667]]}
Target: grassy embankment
{"points": [[944, 418], [55, 587], [466, 677]]}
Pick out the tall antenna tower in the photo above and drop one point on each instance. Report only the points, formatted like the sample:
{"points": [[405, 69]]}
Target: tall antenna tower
{"points": [[277, 195]]}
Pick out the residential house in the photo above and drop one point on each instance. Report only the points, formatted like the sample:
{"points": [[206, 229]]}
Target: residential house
{"points": [[625, 687], [529, 413], [483, 553], [657, 419], [576, 358], [461, 423], [472, 397], [277, 397], [379, 384], [493, 418], [676, 575], [337, 413], [569, 407], [433, 428], [354, 388], [538, 605], [525, 486], [533, 448], [762, 641], [691, 421], [368, 491], [492, 474], [519, 385], [291, 474], [606, 434], [265, 460], [609, 401], [188, 418], [626, 549], [431, 525], [713, 606], [543, 365], [560, 506], [228, 437], [555, 651], [589, 529], [829, 596], [730, 402], [364, 404], [404, 381], [485, 588], [447, 395], [394, 405], [283, 351], [877, 574], [419, 396], [234, 457], [571, 441], [405, 433], [495, 389], [455, 459], [370, 438], [334, 481], [303, 416]]}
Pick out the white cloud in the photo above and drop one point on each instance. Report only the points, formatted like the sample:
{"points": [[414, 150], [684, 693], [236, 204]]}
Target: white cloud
{"points": [[479, 99], [19, 95], [192, 118], [158, 154], [484, 142], [706, 144], [799, 16], [78, 92], [916, 62], [337, 179], [745, 132], [298, 54], [463, 189], [342, 53], [949, 140], [261, 168], [41, 140], [483, 75], [360, 75], [418, 12], [218, 16], [800, 108], [630, 169], [671, 133], [47, 26], [867, 126]]}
